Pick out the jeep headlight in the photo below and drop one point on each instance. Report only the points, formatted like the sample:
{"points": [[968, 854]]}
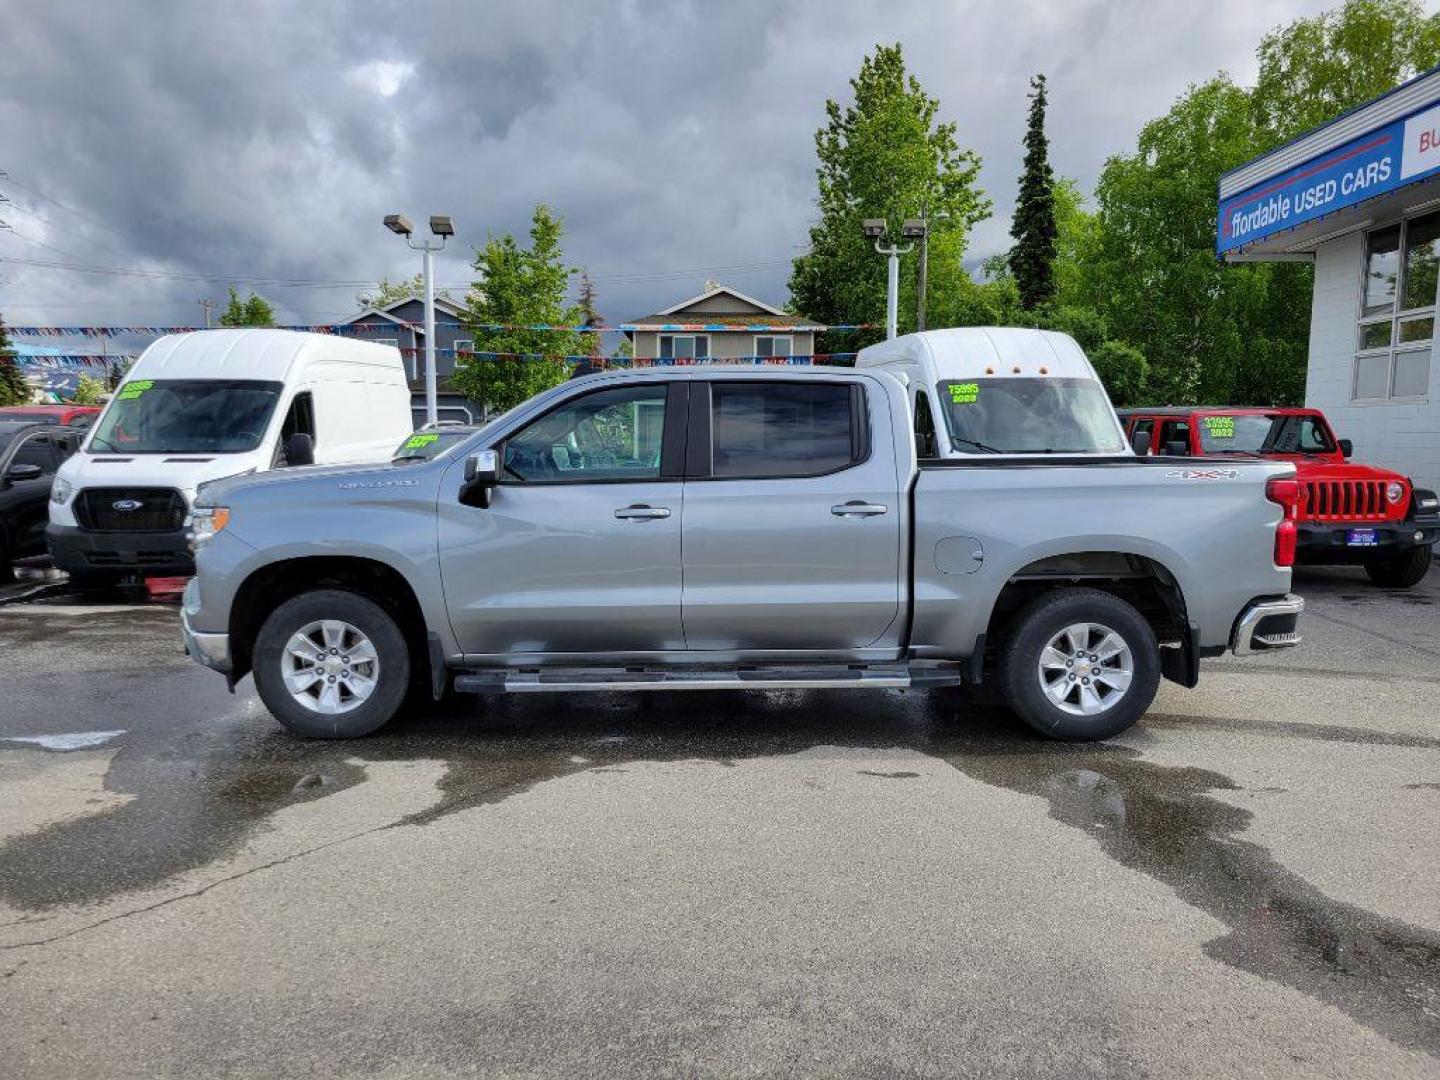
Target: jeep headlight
{"points": [[205, 522], [1394, 491], [61, 490]]}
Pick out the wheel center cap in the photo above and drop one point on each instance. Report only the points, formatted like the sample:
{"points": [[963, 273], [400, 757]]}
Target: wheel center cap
{"points": [[332, 665]]}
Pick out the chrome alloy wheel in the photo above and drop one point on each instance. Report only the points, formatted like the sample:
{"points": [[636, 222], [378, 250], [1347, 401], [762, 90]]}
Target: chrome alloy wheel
{"points": [[330, 667], [1085, 669]]}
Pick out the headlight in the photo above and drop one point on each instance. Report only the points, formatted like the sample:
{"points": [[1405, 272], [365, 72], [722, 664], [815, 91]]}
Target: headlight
{"points": [[1394, 491], [61, 490], [205, 522]]}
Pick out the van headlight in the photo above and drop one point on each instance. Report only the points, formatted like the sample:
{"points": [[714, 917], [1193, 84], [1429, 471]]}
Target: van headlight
{"points": [[205, 522], [61, 490]]}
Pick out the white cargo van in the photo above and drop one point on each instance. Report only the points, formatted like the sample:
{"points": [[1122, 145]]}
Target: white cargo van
{"points": [[197, 407], [1000, 390]]}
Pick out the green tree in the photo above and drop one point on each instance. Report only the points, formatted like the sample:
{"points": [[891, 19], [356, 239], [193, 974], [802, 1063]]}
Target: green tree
{"points": [[89, 391], [1123, 370], [14, 387], [884, 156], [517, 286], [252, 311], [387, 292], [1033, 226]]}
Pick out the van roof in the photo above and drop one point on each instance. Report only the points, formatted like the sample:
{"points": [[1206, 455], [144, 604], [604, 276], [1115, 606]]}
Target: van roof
{"points": [[253, 353], [975, 348]]}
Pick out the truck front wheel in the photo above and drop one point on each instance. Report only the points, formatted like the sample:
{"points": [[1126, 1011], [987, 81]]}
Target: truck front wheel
{"points": [[331, 664], [1080, 664], [1402, 570]]}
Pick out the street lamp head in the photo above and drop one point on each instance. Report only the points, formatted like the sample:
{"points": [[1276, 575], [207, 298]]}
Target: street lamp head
{"points": [[874, 227], [399, 224], [441, 225], [913, 229]]}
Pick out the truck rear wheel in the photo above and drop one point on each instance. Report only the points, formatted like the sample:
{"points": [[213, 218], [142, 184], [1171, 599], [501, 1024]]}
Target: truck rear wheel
{"points": [[1080, 664], [1402, 570], [331, 664]]}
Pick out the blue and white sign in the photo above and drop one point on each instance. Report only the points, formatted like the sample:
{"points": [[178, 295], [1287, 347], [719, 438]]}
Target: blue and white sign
{"points": [[1397, 154]]}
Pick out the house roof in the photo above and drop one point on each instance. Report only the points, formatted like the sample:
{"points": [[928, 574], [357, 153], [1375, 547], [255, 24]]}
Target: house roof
{"points": [[746, 311], [715, 290], [448, 307]]}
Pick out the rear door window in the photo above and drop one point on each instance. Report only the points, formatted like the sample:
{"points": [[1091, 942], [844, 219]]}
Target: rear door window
{"points": [[768, 430]]}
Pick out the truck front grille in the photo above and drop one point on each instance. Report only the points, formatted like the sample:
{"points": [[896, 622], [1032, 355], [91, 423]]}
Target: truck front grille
{"points": [[111, 509], [1343, 500]]}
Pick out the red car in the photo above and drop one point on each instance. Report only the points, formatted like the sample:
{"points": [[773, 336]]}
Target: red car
{"points": [[81, 416], [1348, 513]]}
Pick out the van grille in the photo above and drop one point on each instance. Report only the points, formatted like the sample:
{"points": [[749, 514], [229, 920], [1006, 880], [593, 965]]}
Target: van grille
{"points": [[160, 509], [1344, 500]]}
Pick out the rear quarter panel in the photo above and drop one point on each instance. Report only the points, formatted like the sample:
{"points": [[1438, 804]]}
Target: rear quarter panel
{"points": [[1211, 528]]}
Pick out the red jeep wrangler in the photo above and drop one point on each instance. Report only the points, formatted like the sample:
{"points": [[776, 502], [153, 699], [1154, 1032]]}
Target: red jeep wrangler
{"points": [[1348, 513]]}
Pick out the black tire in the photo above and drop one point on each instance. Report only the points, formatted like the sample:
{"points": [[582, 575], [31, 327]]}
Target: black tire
{"points": [[1401, 570], [1034, 627], [365, 615]]}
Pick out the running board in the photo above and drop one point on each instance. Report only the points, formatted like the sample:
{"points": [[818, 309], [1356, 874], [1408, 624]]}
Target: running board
{"points": [[774, 677]]}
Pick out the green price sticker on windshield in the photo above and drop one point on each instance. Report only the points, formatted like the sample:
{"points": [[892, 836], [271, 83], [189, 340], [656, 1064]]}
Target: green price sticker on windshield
{"points": [[1220, 427], [132, 390], [965, 393], [415, 442]]}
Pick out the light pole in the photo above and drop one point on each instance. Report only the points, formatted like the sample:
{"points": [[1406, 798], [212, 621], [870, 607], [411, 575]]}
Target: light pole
{"points": [[441, 226], [874, 229], [923, 274]]}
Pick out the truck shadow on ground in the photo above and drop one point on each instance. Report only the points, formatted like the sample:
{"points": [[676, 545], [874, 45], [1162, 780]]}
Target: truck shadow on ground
{"points": [[208, 794]]}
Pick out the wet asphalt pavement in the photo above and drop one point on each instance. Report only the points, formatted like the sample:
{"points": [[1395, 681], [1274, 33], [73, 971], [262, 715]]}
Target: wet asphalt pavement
{"points": [[830, 883]]}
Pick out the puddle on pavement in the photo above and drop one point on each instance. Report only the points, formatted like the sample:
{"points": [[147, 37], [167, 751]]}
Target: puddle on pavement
{"points": [[202, 790]]}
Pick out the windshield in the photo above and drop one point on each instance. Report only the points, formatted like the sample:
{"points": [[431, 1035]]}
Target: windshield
{"points": [[424, 445], [186, 416], [1275, 434], [1029, 416]]}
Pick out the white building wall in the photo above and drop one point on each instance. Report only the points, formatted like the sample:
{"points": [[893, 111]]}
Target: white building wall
{"points": [[1403, 437]]}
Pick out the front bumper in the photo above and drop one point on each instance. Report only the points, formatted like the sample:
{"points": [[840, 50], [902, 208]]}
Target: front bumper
{"points": [[78, 551], [1324, 545], [1266, 625], [211, 650]]}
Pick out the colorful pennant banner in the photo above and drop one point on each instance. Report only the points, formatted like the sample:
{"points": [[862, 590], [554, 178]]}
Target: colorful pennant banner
{"points": [[391, 327], [73, 360]]}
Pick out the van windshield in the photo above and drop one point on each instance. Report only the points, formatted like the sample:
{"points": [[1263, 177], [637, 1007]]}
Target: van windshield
{"points": [[186, 416], [1029, 416]]}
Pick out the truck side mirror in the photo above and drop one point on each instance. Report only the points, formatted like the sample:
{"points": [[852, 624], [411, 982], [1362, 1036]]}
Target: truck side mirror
{"points": [[1347, 448], [300, 449], [1140, 443], [20, 472], [482, 472]]}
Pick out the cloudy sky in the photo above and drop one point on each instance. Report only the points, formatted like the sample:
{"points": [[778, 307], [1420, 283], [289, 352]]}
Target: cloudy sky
{"points": [[192, 143]]}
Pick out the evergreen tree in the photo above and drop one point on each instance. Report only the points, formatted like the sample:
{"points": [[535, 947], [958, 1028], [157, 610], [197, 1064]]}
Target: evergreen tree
{"points": [[14, 387], [517, 286], [1033, 227], [884, 156]]}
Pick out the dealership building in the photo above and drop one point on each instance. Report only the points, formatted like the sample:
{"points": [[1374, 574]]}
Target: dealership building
{"points": [[1360, 198]]}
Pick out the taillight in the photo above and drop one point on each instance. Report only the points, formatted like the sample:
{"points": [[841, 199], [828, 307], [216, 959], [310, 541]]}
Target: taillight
{"points": [[1286, 494]]}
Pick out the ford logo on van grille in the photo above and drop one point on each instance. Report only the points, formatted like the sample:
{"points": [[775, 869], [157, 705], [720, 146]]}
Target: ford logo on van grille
{"points": [[126, 504]]}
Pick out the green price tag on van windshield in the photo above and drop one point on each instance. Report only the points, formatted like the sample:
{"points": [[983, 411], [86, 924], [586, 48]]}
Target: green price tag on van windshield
{"points": [[1220, 427], [132, 390], [965, 393], [415, 442]]}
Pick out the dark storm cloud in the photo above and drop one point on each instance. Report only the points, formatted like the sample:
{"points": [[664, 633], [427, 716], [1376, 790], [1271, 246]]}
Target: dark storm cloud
{"points": [[267, 139]]}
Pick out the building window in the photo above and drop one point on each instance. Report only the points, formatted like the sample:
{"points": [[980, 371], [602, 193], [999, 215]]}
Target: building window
{"points": [[463, 346], [772, 346], [684, 346], [1397, 311]]}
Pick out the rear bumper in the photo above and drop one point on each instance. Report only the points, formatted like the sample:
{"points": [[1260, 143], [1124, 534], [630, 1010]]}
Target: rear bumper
{"points": [[79, 551], [1266, 625]]}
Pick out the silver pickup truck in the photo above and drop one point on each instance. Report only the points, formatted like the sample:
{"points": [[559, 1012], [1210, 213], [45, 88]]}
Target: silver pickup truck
{"points": [[711, 528]]}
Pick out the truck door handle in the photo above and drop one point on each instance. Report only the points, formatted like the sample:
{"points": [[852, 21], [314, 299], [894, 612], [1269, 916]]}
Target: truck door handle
{"points": [[641, 512], [856, 508]]}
